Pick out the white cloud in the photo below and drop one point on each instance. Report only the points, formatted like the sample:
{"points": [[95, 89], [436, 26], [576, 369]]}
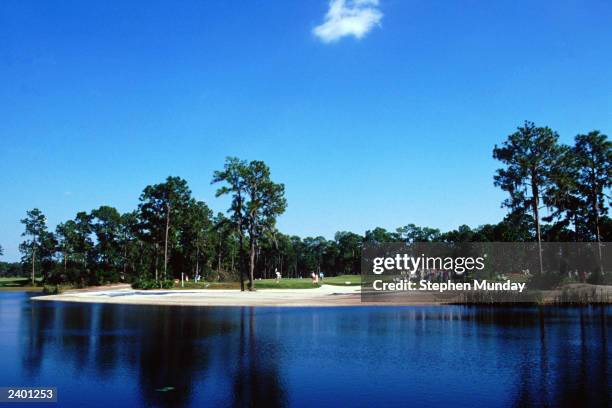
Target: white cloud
{"points": [[348, 17]]}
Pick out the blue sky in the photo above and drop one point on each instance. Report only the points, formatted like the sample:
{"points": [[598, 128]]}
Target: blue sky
{"points": [[373, 113]]}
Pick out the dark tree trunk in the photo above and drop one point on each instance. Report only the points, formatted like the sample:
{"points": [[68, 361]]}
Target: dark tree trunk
{"points": [[251, 259], [597, 234], [156, 256], [241, 254], [576, 227], [33, 264], [241, 260], [596, 214], [219, 255], [125, 259], [197, 269], [536, 213], [166, 241]]}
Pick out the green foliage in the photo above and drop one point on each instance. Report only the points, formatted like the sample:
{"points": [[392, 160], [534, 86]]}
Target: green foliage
{"points": [[162, 210], [349, 252], [11, 269], [51, 289], [593, 173], [531, 157], [597, 278], [413, 233], [145, 283], [546, 281], [256, 202], [14, 282], [106, 226], [172, 233], [39, 247]]}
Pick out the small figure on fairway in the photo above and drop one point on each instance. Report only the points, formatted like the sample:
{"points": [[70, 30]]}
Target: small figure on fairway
{"points": [[321, 275], [278, 275], [315, 278]]}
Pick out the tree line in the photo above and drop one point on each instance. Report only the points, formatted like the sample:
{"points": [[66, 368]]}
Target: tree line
{"points": [[556, 192]]}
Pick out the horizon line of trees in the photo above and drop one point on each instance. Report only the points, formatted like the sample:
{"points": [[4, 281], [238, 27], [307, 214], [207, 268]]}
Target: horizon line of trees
{"points": [[556, 192]]}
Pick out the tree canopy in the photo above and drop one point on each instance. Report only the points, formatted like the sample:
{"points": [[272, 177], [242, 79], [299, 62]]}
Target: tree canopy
{"points": [[555, 192]]}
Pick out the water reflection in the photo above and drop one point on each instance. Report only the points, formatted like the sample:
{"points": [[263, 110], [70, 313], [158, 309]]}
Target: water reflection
{"points": [[255, 379], [186, 356]]}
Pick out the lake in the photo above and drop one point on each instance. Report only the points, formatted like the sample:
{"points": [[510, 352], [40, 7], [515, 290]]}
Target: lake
{"points": [[101, 355]]}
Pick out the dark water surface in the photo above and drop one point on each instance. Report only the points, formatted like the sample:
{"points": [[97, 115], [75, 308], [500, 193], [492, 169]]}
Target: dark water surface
{"points": [[122, 355]]}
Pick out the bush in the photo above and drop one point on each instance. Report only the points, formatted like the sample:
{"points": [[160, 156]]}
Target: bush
{"points": [[597, 278], [144, 283], [106, 276], [545, 281], [51, 290]]}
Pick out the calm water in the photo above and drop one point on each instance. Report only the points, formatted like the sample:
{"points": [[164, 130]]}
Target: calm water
{"points": [[120, 355]]}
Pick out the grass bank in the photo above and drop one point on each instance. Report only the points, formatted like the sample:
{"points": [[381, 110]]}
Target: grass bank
{"points": [[24, 284], [284, 283], [19, 284]]}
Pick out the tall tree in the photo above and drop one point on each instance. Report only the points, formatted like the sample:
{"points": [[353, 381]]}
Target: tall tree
{"points": [[593, 153], [529, 155], [131, 244], [563, 199], [461, 234], [380, 236], [225, 241], [266, 201], [66, 234], [412, 233], [35, 228], [349, 247], [162, 208], [315, 249], [233, 175], [106, 225], [84, 245], [195, 234], [256, 202]]}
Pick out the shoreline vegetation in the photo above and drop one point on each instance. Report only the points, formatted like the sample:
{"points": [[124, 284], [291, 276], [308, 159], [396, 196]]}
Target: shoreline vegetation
{"points": [[336, 291], [555, 193], [320, 295], [20, 284]]}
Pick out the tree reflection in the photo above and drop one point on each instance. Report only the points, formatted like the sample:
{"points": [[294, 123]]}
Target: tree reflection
{"points": [[256, 378], [191, 356]]}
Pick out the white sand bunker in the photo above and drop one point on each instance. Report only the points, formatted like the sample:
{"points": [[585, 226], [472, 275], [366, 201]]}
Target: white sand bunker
{"points": [[326, 295]]}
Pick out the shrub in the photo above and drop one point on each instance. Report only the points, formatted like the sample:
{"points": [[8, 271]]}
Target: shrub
{"points": [[545, 281], [597, 278], [144, 283], [51, 290]]}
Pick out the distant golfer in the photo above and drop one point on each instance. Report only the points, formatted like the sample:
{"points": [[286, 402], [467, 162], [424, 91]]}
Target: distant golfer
{"points": [[321, 275], [278, 275]]}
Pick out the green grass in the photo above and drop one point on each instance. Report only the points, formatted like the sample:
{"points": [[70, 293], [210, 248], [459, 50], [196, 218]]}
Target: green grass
{"points": [[353, 280], [259, 284], [285, 283], [18, 283], [209, 285], [23, 284]]}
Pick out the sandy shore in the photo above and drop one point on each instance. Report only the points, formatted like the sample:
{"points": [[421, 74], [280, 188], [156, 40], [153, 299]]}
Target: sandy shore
{"points": [[326, 295]]}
